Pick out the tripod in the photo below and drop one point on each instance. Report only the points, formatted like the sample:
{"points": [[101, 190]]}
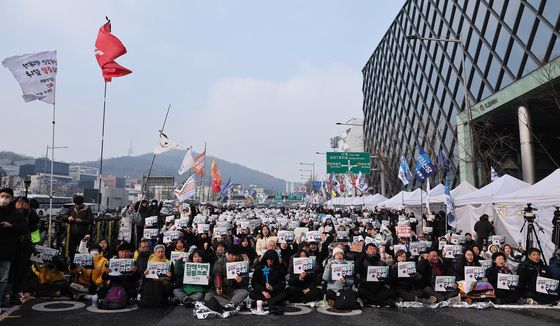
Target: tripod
{"points": [[532, 232]]}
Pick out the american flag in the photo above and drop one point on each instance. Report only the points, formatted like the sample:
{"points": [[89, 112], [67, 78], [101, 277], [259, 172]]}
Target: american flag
{"points": [[187, 190]]}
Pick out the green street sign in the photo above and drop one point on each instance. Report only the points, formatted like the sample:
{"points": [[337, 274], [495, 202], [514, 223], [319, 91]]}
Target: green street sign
{"points": [[348, 162]]}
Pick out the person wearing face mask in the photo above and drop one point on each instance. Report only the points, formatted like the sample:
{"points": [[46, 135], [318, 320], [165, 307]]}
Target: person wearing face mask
{"points": [[80, 218], [375, 293], [21, 263], [12, 226], [88, 280]]}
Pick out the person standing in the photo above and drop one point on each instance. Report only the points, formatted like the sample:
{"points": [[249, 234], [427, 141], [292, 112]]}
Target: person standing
{"points": [[80, 217], [483, 229], [12, 226]]}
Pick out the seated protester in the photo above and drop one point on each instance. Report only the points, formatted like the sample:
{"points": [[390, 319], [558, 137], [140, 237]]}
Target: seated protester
{"points": [[554, 265], [468, 259], [128, 281], [491, 276], [336, 286], [248, 250], [476, 251], [262, 240], [229, 293], [45, 280], [469, 243], [512, 258], [406, 287], [89, 280], [142, 255], [528, 272], [162, 287], [430, 268], [492, 249], [106, 249], [375, 293], [268, 281], [188, 294], [286, 253], [302, 287]]}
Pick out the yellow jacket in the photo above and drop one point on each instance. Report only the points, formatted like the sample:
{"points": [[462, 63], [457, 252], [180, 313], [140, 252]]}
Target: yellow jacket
{"points": [[47, 275], [89, 277]]}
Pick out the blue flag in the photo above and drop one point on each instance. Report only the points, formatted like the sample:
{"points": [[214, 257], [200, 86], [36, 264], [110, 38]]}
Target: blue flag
{"points": [[443, 162], [424, 166], [226, 187], [450, 207], [404, 171]]}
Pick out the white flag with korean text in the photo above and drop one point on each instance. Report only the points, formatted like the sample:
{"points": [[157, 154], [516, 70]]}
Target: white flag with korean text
{"points": [[36, 75], [165, 144]]}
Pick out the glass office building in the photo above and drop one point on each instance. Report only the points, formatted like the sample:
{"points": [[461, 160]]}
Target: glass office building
{"points": [[414, 92]]}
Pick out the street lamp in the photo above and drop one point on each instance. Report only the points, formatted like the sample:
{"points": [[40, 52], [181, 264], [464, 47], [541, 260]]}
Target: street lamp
{"points": [[313, 168], [27, 183], [320, 153], [350, 124]]}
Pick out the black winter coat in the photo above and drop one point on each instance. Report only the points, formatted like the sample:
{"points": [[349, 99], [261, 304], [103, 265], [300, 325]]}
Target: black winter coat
{"points": [[9, 235]]}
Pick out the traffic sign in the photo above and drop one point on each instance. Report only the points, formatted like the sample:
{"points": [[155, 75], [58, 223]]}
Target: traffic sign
{"points": [[348, 162]]}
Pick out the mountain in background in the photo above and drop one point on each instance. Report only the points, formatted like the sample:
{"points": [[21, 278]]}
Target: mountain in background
{"points": [[168, 163], [12, 157]]}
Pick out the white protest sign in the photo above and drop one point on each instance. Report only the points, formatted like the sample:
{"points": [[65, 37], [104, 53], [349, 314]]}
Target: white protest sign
{"points": [[84, 260], [498, 240], [508, 281], [240, 268], [286, 236], [485, 263], [398, 247], [449, 251], [547, 285], [36, 75], [169, 218], [119, 266], [170, 236], [220, 231], [176, 255], [151, 233], [369, 240], [342, 235], [151, 221], [427, 230], [405, 269], [312, 236], [416, 247], [444, 283], [203, 228], [196, 273], [457, 239], [43, 255], [303, 264], [377, 273], [474, 273], [339, 271], [182, 223], [157, 269]]}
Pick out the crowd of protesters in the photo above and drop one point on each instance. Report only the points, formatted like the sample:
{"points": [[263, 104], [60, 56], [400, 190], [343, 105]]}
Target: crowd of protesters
{"points": [[257, 236]]}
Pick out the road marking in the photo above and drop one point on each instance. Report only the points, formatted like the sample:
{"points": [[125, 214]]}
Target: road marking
{"points": [[74, 305], [106, 311], [325, 310]]}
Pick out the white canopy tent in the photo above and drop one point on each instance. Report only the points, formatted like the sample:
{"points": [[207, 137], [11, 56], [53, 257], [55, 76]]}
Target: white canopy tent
{"points": [[372, 200], [544, 192], [462, 189], [405, 198], [487, 194], [437, 191]]}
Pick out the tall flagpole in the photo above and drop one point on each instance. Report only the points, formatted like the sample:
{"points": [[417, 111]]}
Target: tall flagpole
{"points": [[154, 157], [52, 169], [102, 142]]}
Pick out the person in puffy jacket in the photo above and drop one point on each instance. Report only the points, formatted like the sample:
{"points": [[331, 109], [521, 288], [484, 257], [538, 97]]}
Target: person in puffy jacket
{"points": [[528, 272], [268, 280]]}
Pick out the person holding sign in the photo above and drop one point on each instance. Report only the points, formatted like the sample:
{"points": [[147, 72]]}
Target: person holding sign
{"points": [[528, 272], [468, 259], [373, 292], [228, 292], [268, 281], [430, 268], [188, 294], [157, 290], [303, 287], [46, 280], [90, 279], [406, 287], [499, 266], [335, 286], [127, 281]]}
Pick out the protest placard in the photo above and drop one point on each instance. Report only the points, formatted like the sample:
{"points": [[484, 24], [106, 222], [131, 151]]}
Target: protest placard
{"points": [[84, 260], [444, 283], [449, 251], [356, 247], [405, 269], [150, 221], [485, 263], [169, 219], [403, 231], [170, 236], [342, 235], [474, 273], [151, 233], [498, 240], [303, 264], [157, 269], [377, 273], [547, 285], [441, 244], [508, 281], [398, 247], [285, 236], [203, 228], [196, 273], [240, 268], [43, 255], [220, 232], [182, 223], [199, 219], [339, 271], [427, 230], [119, 266], [416, 247], [312, 236], [369, 240], [176, 255], [458, 239]]}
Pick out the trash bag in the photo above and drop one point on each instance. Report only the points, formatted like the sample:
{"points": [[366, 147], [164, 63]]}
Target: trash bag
{"points": [[201, 311]]}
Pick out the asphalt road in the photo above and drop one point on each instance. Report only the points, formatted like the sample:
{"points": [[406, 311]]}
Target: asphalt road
{"points": [[379, 316]]}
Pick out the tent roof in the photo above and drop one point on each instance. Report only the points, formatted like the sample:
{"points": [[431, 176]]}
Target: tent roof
{"points": [[462, 189], [546, 191], [503, 185], [437, 190], [411, 198]]}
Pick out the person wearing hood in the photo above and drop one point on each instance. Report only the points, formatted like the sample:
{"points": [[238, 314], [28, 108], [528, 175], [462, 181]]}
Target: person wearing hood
{"points": [[12, 227], [492, 249], [528, 271], [491, 276], [88, 280], [335, 286], [374, 293], [302, 287], [268, 280], [483, 229]]}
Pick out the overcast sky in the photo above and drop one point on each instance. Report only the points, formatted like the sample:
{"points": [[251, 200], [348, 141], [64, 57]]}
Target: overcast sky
{"points": [[262, 82]]}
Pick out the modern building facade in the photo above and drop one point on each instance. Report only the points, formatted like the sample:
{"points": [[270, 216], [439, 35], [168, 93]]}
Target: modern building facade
{"points": [[414, 89]]}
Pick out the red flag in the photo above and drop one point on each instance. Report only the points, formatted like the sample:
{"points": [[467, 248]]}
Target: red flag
{"points": [[107, 48], [216, 177], [199, 163]]}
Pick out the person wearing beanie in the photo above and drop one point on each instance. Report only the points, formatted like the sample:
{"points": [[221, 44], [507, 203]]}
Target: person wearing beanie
{"points": [[491, 276], [80, 217], [228, 292], [12, 226], [336, 285]]}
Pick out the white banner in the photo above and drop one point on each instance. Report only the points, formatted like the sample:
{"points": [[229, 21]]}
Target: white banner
{"points": [[377, 273], [342, 270], [36, 75], [196, 273], [303, 264]]}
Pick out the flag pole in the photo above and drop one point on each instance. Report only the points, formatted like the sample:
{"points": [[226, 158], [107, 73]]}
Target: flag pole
{"points": [[102, 142], [52, 168], [154, 157]]}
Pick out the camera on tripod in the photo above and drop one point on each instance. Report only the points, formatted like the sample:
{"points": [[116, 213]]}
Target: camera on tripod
{"points": [[529, 212]]}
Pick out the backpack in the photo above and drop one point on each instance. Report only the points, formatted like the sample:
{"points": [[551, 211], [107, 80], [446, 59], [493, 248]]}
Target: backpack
{"points": [[115, 299], [347, 300], [153, 295]]}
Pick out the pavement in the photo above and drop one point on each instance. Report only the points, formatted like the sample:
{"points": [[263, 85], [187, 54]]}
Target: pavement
{"points": [[179, 315]]}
